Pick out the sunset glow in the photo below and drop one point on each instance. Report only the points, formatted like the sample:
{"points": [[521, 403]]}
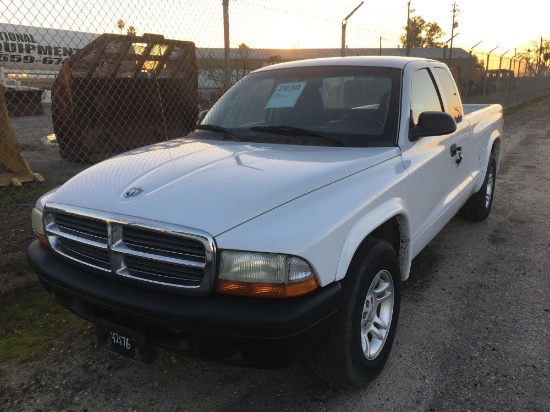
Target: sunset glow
{"points": [[290, 24]]}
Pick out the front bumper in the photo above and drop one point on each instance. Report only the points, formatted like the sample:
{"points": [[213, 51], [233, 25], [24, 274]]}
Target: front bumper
{"points": [[253, 331]]}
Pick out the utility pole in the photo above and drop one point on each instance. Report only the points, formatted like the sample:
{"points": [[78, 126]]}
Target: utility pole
{"points": [[445, 48], [226, 71], [380, 45], [455, 25], [408, 43], [344, 24]]}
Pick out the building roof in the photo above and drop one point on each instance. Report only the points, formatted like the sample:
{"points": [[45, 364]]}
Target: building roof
{"points": [[302, 54]]}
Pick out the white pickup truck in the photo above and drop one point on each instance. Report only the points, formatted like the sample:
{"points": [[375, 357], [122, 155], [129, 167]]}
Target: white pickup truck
{"points": [[283, 226]]}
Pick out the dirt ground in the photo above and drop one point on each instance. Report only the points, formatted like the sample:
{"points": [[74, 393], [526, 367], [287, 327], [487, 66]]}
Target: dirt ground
{"points": [[473, 335]]}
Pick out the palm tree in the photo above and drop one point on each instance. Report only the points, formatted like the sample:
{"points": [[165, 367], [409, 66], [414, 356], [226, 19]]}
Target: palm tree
{"points": [[120, 24]]}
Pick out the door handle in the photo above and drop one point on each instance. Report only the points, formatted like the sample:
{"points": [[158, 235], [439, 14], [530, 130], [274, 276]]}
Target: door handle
{"points": [[454, 149], [457, 150]]}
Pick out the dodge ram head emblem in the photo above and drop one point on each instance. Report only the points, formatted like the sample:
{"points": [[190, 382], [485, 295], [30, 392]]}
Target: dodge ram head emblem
{"points": [[133, 192]]}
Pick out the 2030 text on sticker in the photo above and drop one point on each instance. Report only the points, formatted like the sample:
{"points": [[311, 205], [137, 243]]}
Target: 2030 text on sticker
{"points": [[285, 95]]}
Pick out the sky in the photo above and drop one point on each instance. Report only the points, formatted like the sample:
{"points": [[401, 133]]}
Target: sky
{"points": [[501, 23], [493, 22], [294, 23]]}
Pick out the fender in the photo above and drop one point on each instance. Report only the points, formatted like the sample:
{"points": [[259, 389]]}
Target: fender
{"points": [[494, 140], [367, 224]]}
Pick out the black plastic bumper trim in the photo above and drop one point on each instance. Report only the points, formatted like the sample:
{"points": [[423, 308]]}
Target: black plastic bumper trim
{"points": [[221, 315]]}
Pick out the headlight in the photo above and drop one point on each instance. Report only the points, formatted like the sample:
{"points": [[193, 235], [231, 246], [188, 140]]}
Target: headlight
{"points": [[36, 217], [264, 274], [38, 226]]}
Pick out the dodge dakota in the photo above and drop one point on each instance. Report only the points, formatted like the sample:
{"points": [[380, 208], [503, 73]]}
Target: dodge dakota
{"points": [[283, 226]]}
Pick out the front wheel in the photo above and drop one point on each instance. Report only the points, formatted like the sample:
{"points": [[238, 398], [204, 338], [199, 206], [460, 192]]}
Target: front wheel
{"points": [[359, 345], [478, 206]]}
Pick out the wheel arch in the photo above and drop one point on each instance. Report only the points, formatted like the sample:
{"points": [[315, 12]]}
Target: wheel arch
{"points": [[388, 222], [494, 147]]}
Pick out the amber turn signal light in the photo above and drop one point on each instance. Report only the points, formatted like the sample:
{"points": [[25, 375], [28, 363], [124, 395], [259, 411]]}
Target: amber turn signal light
{"points": [[42, 239], [267, 290]]}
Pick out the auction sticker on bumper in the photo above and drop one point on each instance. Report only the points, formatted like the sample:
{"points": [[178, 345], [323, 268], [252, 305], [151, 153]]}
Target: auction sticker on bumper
{"points": [[124, 341]]}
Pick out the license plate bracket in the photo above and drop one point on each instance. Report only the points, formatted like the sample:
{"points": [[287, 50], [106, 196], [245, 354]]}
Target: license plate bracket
{"points": [[124, 341]]}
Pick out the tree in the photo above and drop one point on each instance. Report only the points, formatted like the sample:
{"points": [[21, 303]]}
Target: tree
{"points": [[213, 71], [432, 33], [243, 53], [536, 57], [274, 59], [131, 31], [120, 25], [480, 65], [422, 34], [239, 66]]}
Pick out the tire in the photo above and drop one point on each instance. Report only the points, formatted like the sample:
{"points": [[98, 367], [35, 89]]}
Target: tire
{"points": [[478, 206], [344, 358]]}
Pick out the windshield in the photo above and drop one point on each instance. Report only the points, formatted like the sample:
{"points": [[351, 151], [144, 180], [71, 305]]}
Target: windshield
{"points": [[332, 105]]}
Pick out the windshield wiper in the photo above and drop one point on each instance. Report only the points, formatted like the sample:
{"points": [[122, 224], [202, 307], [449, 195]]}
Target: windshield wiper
{"points": [[294, 131], [219, 129]]}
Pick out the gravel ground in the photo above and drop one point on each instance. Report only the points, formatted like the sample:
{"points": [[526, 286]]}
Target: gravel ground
{"points": [[474, 330]]}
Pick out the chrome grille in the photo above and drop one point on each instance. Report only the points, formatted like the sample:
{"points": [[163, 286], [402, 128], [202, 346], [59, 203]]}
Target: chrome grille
{"points": [[151, 252], [81, 226], [88, 254], [81, 239], [163, 244], [161, 272]]}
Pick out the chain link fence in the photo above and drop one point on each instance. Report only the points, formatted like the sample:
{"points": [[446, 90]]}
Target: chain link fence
{"points": [[83, 81]]}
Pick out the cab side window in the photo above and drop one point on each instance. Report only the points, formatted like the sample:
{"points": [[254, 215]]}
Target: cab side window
{"points": [[424, 96], [450, 94]]}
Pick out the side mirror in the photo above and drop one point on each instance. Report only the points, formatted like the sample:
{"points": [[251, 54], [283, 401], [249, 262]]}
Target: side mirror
{"points": [[201, 116], [432, 124]]}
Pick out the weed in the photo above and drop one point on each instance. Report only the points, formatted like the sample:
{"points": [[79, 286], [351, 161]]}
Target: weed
{"points": [[518, 108], [31, 322]]}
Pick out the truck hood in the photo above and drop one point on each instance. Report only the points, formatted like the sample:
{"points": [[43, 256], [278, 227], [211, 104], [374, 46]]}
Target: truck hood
{"points": [[212, 186]]}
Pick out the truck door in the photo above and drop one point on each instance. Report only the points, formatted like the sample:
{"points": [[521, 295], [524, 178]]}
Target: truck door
{"points": [[463, 136], [435, 177]]}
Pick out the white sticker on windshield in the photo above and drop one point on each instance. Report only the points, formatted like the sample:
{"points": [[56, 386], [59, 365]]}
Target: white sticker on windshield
{"points": [[285, 95]]}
